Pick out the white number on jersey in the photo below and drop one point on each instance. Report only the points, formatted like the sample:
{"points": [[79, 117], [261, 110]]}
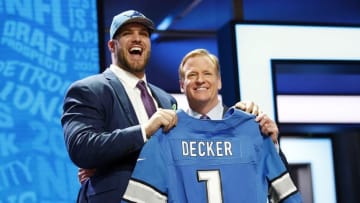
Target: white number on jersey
{"points": [[213, 185]]}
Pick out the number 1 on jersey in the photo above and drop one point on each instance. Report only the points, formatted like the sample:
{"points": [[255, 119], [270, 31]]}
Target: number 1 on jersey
{"points": [[213, 185]]}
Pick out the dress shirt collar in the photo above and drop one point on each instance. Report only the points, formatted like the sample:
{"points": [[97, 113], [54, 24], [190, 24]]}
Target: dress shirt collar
{"points": [[125, 77], [215, 113]]}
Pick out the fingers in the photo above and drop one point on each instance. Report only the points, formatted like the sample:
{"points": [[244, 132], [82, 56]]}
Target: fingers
{"points": [[251, 107], [84, 174], [240, 105], [248, 106], [168, 119], [261, 118], [268, 127], [164, 118]]}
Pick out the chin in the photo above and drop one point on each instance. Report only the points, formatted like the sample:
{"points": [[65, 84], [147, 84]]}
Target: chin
{"points": [[201, 100]]}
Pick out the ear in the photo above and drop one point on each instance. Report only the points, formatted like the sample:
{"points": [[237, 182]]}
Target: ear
{"points": [[111, 46], [219, 83], [181, 82]]}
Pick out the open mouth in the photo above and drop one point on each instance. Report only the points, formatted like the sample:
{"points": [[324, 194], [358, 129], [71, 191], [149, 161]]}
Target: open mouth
{"points": [[136, 51]]}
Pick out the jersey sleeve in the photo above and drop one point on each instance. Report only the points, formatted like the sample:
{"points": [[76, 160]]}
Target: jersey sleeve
{"points": [[148, 181], [281, 187]]}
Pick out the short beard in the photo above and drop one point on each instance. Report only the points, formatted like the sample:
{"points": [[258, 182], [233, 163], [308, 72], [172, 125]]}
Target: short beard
{"points": [[132, 68]]}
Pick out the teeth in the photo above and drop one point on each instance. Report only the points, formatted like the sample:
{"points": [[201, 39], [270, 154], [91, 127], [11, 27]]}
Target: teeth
{"points": [[135, 49]]}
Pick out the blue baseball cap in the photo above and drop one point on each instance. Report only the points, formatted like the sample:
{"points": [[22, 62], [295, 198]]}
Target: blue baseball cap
{"points": [[130, 16]]}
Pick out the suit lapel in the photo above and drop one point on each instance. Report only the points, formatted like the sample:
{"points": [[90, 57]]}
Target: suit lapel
{"points": [[122, 96], [162, 99], [225, 109]]}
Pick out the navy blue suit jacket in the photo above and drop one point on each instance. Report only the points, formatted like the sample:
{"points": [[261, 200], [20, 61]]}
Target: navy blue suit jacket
{"points": [[102, 131]]}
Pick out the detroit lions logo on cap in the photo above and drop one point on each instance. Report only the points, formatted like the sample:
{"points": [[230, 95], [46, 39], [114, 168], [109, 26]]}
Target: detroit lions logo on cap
{"points": [[134, 14]]}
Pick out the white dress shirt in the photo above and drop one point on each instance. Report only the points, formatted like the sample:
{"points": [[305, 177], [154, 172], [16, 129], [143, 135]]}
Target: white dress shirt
{"points": [[215, 113], [129, 82]]}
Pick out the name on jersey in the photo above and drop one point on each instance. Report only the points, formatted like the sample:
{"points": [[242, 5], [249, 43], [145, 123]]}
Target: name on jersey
{"points": [[206, 148]]}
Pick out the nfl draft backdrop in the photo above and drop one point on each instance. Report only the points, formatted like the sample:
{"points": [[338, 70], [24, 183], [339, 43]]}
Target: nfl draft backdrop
{"points": [[44, 45]]}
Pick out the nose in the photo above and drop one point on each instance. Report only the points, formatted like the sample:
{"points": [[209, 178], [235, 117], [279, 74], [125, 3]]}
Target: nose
{"points": [[200, 78], [136, 37]]}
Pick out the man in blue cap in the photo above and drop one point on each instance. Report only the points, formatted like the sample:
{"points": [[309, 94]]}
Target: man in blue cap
{"points": [[105, 121]]}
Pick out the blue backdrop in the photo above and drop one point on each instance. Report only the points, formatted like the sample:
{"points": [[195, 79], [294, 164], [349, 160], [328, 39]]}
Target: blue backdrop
{"points": [[44, 46]]}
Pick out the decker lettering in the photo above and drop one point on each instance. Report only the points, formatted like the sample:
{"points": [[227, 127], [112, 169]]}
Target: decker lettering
{"points": [[206, 148]]}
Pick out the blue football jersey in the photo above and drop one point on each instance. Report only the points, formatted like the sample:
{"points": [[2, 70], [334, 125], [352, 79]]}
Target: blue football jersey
{"points": [[211, 161]]}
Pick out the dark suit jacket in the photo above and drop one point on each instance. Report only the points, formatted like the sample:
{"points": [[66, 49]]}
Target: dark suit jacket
{"points": [[102, 131]]}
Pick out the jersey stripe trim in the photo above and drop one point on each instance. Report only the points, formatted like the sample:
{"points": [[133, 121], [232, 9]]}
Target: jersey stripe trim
{"points": [[141, 193], [283, 186]]}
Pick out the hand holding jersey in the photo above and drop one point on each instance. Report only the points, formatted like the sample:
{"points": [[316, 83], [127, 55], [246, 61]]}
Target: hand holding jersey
{"points": [[267, 126], [162, 118]]}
